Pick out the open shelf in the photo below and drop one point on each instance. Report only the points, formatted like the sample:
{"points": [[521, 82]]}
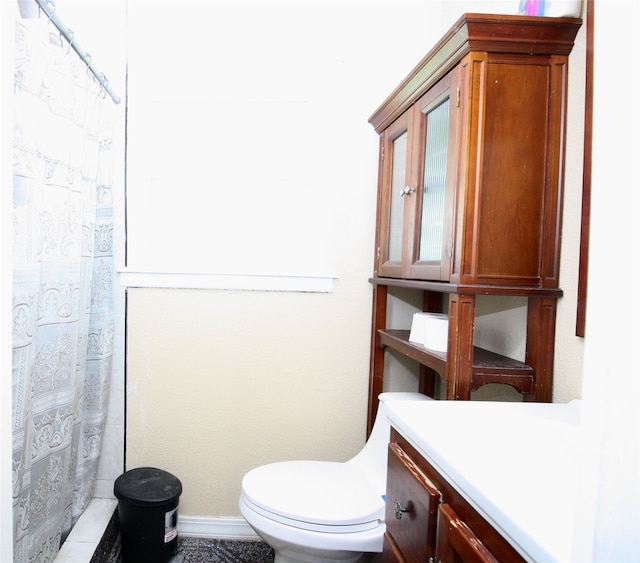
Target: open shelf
{"points": [[487, 366]]}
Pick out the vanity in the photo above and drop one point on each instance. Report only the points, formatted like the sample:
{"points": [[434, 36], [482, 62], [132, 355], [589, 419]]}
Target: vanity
{"points": [[463, 484]]}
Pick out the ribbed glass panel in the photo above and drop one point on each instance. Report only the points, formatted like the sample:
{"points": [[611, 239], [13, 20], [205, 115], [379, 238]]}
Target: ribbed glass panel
{"points": [[433, 184], [396, 221]]}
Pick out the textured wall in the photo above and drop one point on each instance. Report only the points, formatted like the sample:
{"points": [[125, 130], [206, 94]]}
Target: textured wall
{"points": [[224, 381]]}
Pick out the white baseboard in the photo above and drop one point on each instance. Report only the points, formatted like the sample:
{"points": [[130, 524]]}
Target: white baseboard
{"points": [[219, 528]]}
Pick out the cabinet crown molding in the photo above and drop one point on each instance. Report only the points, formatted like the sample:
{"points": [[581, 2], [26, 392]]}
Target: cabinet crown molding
{"points": [[489, 33]]}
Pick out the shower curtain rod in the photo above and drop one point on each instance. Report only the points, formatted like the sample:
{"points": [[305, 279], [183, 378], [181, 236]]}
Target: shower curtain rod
{"points": [[49, 8]]}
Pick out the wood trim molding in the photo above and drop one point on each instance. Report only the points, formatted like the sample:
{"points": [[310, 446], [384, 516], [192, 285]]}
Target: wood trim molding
{"points": [[479, 32], [583, 266], [178, 280]]}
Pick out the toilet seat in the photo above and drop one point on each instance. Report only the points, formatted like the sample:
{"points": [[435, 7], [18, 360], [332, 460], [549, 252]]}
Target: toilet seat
{"points": [[318, 496]]}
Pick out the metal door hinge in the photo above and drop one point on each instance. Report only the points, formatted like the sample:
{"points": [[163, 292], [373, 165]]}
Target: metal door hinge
{"points": [[458, 97]]}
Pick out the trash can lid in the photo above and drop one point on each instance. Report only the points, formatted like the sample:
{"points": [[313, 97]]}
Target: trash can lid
{"points": [[147, 486]]}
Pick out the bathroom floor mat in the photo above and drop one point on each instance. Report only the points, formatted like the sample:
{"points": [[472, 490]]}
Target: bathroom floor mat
{"points": [[205, 550]]}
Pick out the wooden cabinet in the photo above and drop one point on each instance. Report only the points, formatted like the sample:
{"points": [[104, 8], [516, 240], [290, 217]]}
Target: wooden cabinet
{"points": [[472, 153], [428, 520], [470, 195]]}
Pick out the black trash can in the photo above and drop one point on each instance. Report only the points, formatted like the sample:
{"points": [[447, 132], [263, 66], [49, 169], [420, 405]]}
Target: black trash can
{"points": [[148, 514]]}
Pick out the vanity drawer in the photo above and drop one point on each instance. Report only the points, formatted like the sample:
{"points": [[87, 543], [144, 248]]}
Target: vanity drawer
{"points": [[411, 507]]}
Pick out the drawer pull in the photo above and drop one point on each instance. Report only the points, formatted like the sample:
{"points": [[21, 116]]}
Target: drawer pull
{"points": [[398, 509]]}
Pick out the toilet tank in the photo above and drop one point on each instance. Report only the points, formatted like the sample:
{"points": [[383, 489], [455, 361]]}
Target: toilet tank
{"points": [[372, 459]]}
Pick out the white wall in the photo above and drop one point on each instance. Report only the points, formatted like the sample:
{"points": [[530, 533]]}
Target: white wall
{"points": [[247, 131], [608, 512]]}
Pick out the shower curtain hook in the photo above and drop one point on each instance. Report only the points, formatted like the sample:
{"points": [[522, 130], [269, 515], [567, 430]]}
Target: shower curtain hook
{"points": [[70, 39], [49, 11], [104, 85]]}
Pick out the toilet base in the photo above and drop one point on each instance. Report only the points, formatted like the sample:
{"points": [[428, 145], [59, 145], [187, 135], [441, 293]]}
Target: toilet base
{"points": [[298, 558], [288, 553]]}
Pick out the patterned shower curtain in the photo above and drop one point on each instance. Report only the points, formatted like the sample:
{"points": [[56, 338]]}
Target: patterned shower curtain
{"points": [[62, 298]]}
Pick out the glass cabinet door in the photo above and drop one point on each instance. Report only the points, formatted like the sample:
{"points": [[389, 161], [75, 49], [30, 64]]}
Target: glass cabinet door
{"points": [[434, 177], [395, 163], [396, 203], [417, 188], [432, 244]]}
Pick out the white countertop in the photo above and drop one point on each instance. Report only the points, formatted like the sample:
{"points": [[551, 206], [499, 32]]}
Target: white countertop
{"points": [[515, 463]]}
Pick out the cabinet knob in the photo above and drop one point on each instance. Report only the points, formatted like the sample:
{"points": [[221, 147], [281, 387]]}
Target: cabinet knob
{"points": [[406, 191], [398, 509]]}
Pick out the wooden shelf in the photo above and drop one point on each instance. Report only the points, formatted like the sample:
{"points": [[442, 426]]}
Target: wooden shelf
{"points": [[469, 289], [488, 367]]}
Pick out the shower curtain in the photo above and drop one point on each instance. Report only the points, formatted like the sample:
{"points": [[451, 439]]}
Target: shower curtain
{"points": [[62, 298]]}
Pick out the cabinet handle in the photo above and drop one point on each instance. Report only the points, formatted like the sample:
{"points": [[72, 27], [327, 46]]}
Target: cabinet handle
{"points": [[398, 509], [406, 191]]}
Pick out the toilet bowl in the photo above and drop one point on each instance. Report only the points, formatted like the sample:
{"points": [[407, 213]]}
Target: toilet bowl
{"points": [[322, 511]]}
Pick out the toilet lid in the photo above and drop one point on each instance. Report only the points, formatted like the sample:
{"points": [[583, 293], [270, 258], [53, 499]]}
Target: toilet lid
{"points": [[315, 495]]}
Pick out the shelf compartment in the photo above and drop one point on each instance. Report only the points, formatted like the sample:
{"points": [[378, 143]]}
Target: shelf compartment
{"points": [[488, 367]]}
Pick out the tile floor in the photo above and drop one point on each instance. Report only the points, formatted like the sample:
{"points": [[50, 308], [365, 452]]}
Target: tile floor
{"points": [[95, 539]]}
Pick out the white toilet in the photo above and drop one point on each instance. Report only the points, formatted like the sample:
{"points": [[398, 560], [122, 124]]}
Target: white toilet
{"points": [[321, 511]]}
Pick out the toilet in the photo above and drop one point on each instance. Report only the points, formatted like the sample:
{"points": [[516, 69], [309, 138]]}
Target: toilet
{"points": [[322, 511]]}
